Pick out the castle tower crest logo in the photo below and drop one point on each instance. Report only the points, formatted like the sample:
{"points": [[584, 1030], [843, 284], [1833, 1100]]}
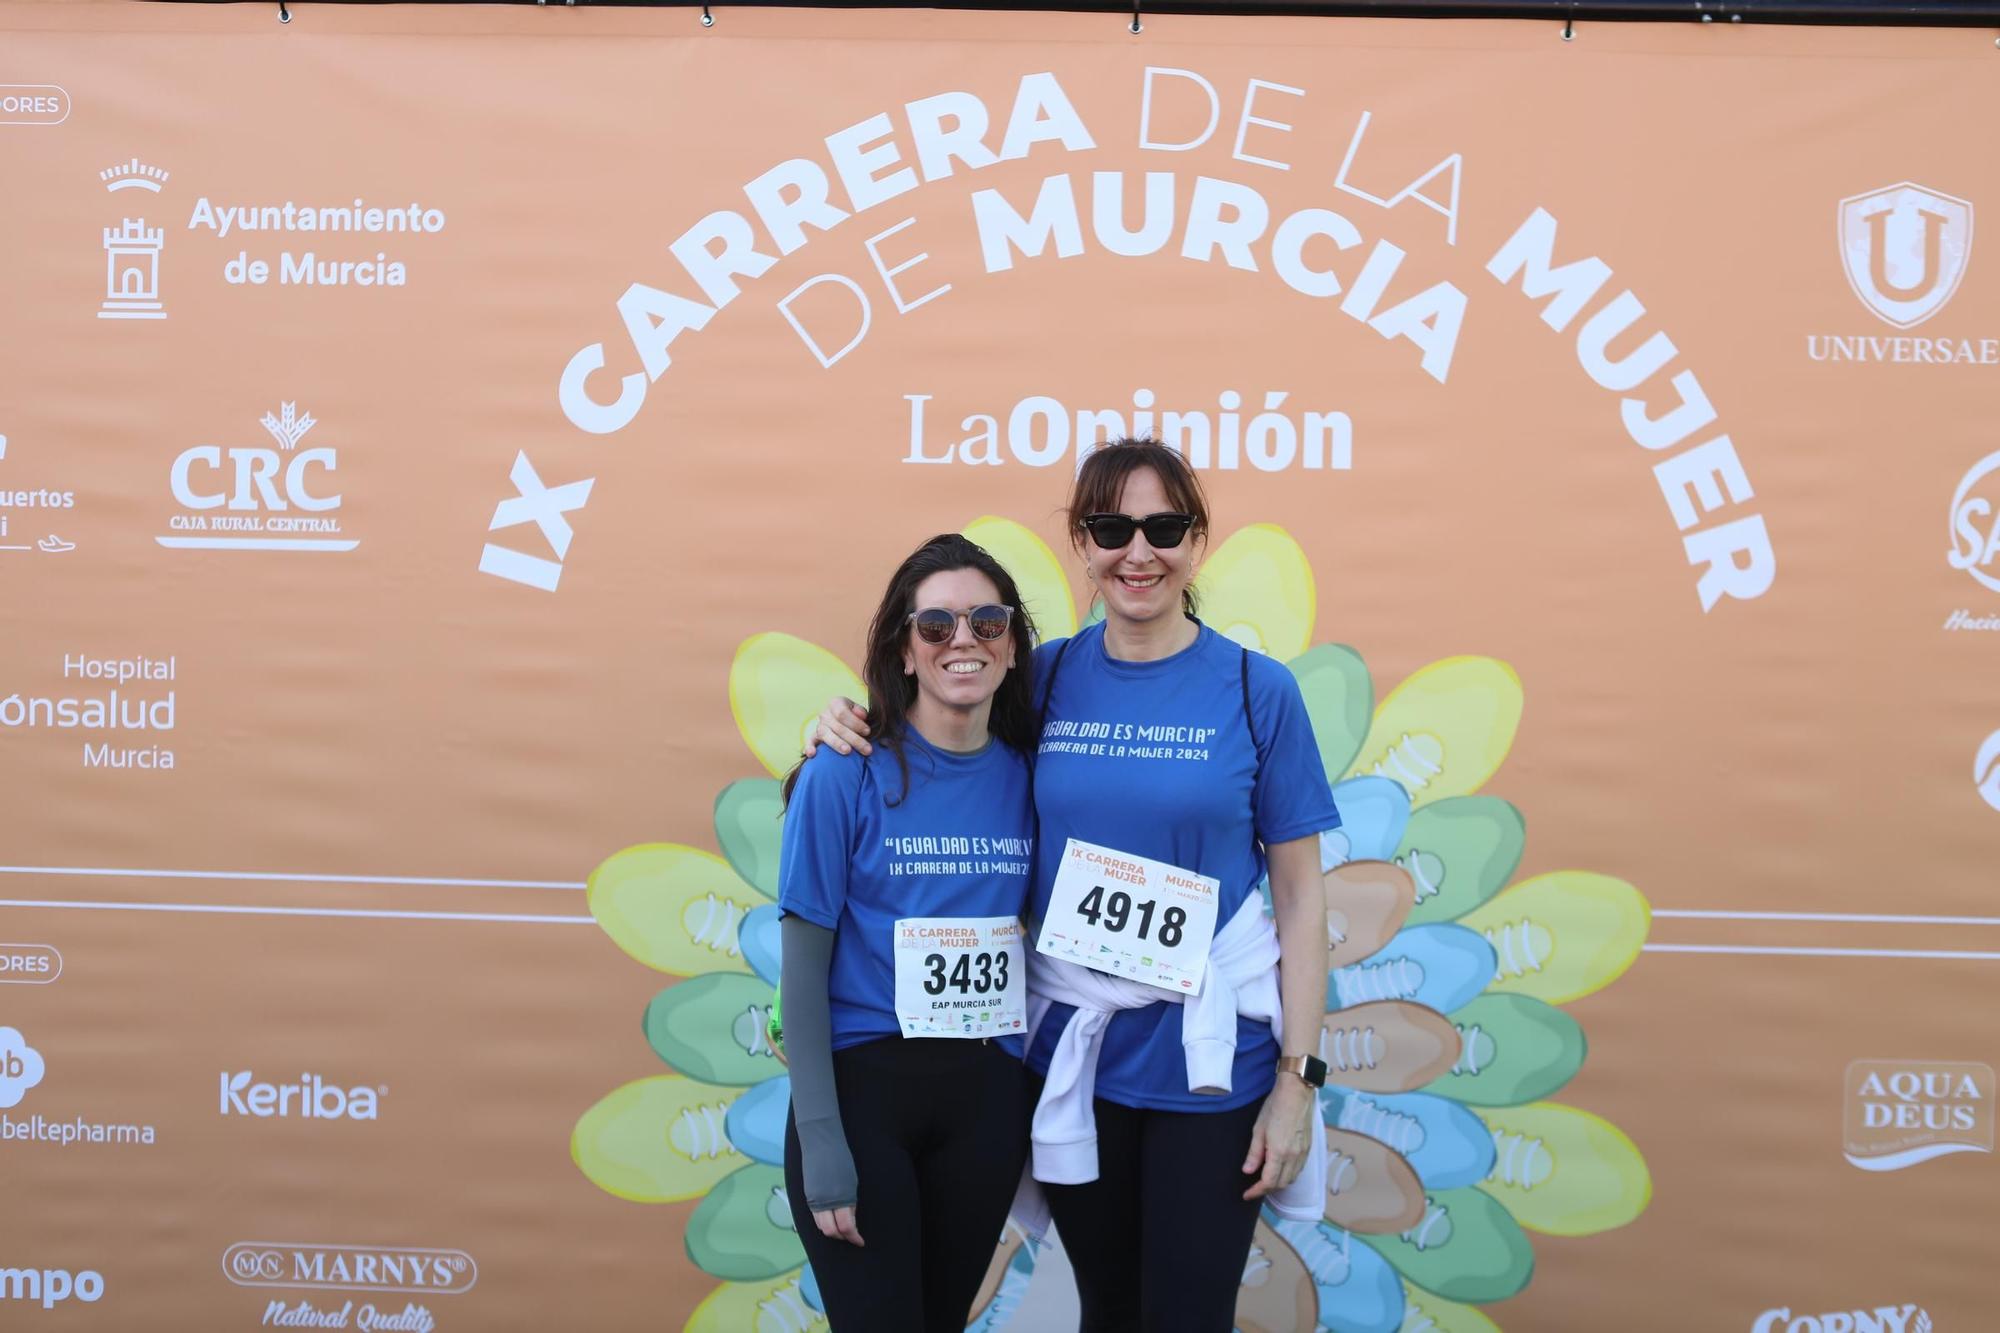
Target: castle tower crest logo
{"points": [[1905, 249]]}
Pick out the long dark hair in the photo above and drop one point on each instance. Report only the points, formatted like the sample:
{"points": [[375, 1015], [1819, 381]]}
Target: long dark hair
{"points": [[1103, 475], [891, 693]]}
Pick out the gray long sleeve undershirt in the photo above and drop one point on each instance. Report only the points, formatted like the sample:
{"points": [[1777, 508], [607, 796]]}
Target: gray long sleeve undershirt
{"points": [[825, 1162]]}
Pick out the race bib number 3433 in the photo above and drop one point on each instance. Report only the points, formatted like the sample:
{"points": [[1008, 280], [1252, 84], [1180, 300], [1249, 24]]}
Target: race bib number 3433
{"points": [[960, 976], [1143, 920]]}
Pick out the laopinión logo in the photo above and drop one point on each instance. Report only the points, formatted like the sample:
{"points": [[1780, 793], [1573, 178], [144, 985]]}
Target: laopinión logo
{"points": [[1902, 1112], [252, 497], [1905, 249], [1880, 1319], [310, 1098], [50, 1286]]}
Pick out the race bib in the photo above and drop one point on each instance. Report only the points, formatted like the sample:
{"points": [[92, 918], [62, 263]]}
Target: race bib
{"points": [[960, 976], [1142, 920]]}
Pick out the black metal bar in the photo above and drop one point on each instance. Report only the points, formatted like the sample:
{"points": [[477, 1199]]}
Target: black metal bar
{"points": [[1881, 13]]}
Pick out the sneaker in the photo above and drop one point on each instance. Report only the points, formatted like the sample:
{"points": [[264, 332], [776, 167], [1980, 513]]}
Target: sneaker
{"points": [[748, 817], [743, 1230], [1006, 1282], [1358, 1291], [756, 1121], [1425, 1313], [1459, 853], [1513, 1049], [1370, 1189], [1467, 1248], [676, 909], [713, 1028], [1445, 730], [1257, 589], [1373, 814], [1277, 1294], [1387, 1046], [1446, 1144], [657, 1140], [757, 1307], [1439, 967], [1366, 904], [1562, 936], [1565, 1171]]}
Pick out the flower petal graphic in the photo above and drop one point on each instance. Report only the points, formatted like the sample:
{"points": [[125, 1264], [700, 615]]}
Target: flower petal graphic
{"points": [[712, 1028], [756, 1123], [777, 685], [1339, 699], [1466, 1248], [1446, 729], [1460, 851], [1440, 967], [1008, 1274], [1369, 1187], [1373, 814], [1435, 1314], [676, 909], [1366, 903], [749, 816], [756, 1307], [1388, 1046], [1277, 1294], [1565, 1171], [1563, 935], [1037, 573], [1513, 1049], [1258, 590], [743, 1229], [761, 939], [1446, 1144], [656, 1140], [1358, 1291]]}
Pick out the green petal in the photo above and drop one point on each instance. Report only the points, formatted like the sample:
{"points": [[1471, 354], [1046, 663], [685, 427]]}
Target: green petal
{"points": [[1446, 729], [1512, 1049], [743, 1230], [755, 1307], [748, 818], [713, 1028], [1460, 851], [1258, 590], [1467, 1248], [1435, 1314], [777, 686], [672, 907], [1045, 593], [1339, 697], [656, 1140]]}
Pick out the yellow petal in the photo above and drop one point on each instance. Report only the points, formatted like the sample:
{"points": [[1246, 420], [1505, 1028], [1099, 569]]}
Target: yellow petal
{"points": [[657, 1140], [755, 1307], [777, 685], [1434, 1314], [1563, 935], [1446, 729], [674, 908], [1044, 589], [1258, 590]]}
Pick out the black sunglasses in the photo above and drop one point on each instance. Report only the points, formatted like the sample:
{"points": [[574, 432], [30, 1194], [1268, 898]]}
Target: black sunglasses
{"points": [[936, 624], [1113, 532]]}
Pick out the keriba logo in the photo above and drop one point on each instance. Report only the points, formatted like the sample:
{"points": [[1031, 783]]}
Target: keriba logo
{"points": [[310, 1098]]}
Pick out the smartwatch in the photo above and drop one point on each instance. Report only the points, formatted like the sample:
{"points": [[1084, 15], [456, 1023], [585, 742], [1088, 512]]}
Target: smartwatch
{"points": [[1308, 1067]]}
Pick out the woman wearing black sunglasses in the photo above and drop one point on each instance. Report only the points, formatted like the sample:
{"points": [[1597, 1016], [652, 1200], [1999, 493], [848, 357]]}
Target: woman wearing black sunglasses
{"points": [[902, 876], [1173, 1023]]}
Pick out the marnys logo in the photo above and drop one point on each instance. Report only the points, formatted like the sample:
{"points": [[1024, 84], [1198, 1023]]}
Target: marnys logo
{"points": [[257, 1263], [1881, 1319], [259, 489], [21, 1067], [1905, 248], [311, 1098], [50, 1286], [1902, 1112]]}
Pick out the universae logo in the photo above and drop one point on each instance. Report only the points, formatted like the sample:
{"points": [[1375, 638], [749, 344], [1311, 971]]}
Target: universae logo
{"points": [[310, 1098], [1905, 249]]}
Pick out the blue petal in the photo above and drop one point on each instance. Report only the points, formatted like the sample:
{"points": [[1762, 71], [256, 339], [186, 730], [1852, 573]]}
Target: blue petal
{"points": [[1358, 1291], [1441, 967], [1373, 814], [756, 1122], [809, 1288], [1446, 1144], [760, 936]]}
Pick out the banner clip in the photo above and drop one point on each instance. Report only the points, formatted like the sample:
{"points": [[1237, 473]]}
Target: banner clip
{"points": [[284, 15], [1136, 25], [707, 19]]}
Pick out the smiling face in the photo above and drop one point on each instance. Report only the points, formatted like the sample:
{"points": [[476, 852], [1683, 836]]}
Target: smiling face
{"points": [[960, 674], [1139, 583]]}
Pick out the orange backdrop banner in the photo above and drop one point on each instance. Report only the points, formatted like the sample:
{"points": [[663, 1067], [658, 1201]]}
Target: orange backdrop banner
{"points": [[448, 454]]}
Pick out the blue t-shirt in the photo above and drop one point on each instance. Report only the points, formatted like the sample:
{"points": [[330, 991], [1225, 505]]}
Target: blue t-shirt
{"points": [[1156, 758], [960, 843]]}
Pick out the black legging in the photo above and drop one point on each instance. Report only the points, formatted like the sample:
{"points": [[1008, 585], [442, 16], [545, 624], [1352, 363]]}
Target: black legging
{"points": [[939, 1132], [1160, 1238]]}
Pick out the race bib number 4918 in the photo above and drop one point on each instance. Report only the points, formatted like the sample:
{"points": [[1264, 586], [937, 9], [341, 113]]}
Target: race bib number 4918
{"points": [[1124, 915]]}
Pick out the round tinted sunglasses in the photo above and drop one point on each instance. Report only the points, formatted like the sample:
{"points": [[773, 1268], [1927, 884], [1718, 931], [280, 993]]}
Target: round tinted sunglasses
{"points": [[936, 624], [1113, 532]]}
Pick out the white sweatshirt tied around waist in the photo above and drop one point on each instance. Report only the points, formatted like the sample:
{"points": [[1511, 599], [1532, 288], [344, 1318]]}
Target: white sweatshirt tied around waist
{"points": [[1241, 978]]}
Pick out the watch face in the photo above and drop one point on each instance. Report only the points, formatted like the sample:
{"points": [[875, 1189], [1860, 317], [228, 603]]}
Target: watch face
{"points": [[1315, 1071]]}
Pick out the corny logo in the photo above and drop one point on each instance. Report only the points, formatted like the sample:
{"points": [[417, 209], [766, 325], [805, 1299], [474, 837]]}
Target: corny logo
{"points": [[1881, 1319], [21, 1067], [1905, 249], [310, 1098], [1902, 1112]]}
